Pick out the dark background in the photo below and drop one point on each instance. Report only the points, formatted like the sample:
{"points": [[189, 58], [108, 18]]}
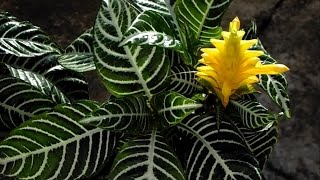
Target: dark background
{"points": [[289, 30]]}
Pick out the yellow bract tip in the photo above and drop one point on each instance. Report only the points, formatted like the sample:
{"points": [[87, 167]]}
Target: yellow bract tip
{"points": [[234, 25]]}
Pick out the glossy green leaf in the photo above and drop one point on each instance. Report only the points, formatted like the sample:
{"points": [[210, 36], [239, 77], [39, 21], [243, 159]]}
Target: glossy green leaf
{"points": [[147, 157], [253, 114], [173, 107], [126, 70], [55, 146], [126, 115]]}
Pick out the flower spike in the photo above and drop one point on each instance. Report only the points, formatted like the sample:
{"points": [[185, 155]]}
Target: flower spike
{"points": [[230, 68]]}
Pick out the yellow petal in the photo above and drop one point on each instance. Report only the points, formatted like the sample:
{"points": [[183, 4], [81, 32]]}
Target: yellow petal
{"points": [[248, 54], [269, 69], [219, 44], [249, 63], [246, 44]]}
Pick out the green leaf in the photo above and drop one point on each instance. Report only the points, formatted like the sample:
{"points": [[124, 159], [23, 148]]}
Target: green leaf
{"points": [[183, 80], [212, 153], [260, 141], [78, 55], [20, 101], [202, 17], [126, 115], [23, 39], [147, 157], [253, 114], [41, 83], [173, 107], [126, 70], [55, 146]]}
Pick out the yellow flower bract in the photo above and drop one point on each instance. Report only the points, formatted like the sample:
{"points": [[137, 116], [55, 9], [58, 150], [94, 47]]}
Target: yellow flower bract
{"points": [[230, 68]]}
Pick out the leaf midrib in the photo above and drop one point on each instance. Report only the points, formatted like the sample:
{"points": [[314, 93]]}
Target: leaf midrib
{"points": [[129, 55]]}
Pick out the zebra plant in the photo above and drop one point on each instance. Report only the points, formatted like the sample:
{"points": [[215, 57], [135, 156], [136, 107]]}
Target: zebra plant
{"points": [[173, 114]]}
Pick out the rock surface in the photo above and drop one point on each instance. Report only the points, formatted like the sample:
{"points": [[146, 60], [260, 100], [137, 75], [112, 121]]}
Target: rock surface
{"points": [[289, 31]]}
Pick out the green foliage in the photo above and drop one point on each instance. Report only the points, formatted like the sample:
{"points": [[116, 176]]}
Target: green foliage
{"points": [[159, 123]]}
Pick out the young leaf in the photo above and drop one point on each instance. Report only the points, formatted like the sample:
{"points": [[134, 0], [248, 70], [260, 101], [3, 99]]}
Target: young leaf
{"points": [[161, 7], [253, 114], [157, 6], [126, 70], [202, 17], [183, 80], [23, 39], [78, 55], [147, 157], [173, 107], [55, 146], [153, 29], [130, 114], [20, 101], [212, 153]]}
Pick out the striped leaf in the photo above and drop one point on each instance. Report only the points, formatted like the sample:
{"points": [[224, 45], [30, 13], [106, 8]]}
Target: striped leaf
{"points": [[20, 101], [55, 146], [260, 141], [73, 84], [153, 38], [78, 55], [253, 114], [147, 157], [173, 107], [157, 6], [212, 153], [41, 83], [126, 70], [164, 8], [202, 17], [276, 86], [183, 80], [127, 115], [150, 28], [174, 58], [23, 39]]}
